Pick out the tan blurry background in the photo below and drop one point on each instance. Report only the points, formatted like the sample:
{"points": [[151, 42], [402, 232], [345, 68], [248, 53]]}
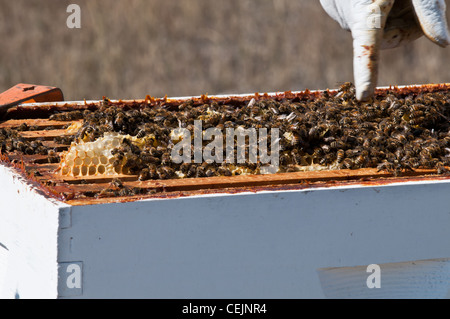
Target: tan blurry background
{"points": [[127, 49]]}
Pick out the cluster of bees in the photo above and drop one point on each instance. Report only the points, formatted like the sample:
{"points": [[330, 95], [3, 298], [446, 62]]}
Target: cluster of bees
{"points": [[394, 132], [12, 142]]}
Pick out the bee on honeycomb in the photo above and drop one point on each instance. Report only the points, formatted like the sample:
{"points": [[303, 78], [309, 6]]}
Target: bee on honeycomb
{"points": [[97, 158]]}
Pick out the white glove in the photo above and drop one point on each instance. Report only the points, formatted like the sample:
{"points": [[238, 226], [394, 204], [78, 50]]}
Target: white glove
{"points": [[383, 24]]}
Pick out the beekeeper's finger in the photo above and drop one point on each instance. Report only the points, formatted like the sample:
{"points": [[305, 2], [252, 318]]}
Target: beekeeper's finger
{"points": [[367, 35], [432, 18]]}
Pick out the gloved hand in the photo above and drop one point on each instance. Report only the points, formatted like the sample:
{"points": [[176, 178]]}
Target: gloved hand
{"points": [[382, 24]]}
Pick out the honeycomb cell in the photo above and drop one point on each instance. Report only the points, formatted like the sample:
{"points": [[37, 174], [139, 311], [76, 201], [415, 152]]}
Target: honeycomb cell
{"points": [[115, 143], [92, 170], [78, 161], [101, 169], [69, 163], [70, 156], [76, 170]]}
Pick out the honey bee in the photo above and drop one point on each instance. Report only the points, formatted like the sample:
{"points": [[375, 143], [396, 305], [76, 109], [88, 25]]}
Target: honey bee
{"points": [[417, 121], [184, 167], [120, 119], [445, 141], [327, 159], [141, 133], [340, 155], [441, 169], [326, 148], [144, 174], [224, 171], [285, 159], [116, 183], [19, 145], [347, 163], [361, 159], [415, 107], [109, 126], [314, 132], [296, 157], [23, 127], [347, 87], [162, 173], [105, 193], [122, 192], [329, 139], [318, 152], [388, 128], [414, 162], [147, 158], [191, 171], [152, 170], [416, 114], [402, 138], [385, 166], [53, 157], [426, 159], [136, 191], [295, 140], [85, 133], [210, 172], [166, 159], [170, 172], [337, 144], [29, 150], [433, 149], [201, 172], [118, 159], [131, 161]]}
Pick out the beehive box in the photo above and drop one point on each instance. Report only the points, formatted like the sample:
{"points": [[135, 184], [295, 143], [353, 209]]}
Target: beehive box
{"points": [[350, 190]]}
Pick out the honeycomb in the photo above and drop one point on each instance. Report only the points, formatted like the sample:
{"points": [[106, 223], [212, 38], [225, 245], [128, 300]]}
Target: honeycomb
{"points": [[97, 158]]}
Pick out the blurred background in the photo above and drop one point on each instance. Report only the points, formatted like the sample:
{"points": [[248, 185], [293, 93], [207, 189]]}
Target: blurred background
{"points": [[126, 49]]}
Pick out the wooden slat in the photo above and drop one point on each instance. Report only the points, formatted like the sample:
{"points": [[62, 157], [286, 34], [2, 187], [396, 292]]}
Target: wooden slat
{"points": [[39, 123], [46, 170], [46, 135], [34, 159], [93, 179], [231, 181], [269, 179], [55, 146]]}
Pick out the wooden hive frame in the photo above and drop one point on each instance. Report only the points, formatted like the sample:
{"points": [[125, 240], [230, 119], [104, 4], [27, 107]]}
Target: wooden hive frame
{"points": [[85, 190]]}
